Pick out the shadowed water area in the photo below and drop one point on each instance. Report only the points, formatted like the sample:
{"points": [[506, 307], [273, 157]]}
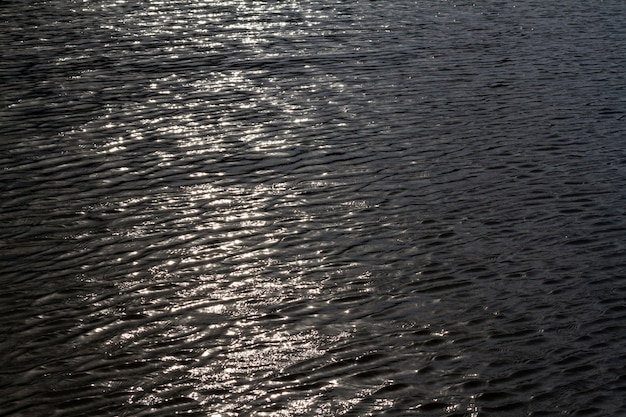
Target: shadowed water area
{"points": [[312, 208]]}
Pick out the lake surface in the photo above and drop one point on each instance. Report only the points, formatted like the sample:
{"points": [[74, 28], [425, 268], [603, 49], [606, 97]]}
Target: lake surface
{"points": [[313, 208]]}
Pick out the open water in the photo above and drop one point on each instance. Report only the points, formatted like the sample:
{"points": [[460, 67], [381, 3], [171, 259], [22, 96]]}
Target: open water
{"points": [[312, 208]]}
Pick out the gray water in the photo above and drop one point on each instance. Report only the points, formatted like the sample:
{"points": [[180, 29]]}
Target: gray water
{"points": [[313, 208]]}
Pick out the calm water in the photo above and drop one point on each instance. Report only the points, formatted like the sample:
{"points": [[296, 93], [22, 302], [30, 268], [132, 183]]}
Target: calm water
{"points": [[312, 208]]}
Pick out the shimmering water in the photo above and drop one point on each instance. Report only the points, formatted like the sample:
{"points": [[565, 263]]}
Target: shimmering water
{"points": [[313, 208]]}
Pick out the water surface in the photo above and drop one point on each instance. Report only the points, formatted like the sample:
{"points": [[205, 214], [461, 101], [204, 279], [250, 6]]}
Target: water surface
{"points": [[319, 208]]}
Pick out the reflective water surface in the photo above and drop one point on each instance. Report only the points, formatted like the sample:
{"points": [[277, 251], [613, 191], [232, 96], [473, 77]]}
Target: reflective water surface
{"points": [[312, 208]]}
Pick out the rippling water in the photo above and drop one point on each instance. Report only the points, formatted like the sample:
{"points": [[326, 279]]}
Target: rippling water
{"points": [[321, 208]]}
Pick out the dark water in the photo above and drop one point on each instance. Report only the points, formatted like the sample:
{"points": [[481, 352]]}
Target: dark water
{"points": [[313, 208]]}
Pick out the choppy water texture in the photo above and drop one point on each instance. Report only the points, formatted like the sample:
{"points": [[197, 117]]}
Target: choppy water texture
{"points": [[313, 208]]}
